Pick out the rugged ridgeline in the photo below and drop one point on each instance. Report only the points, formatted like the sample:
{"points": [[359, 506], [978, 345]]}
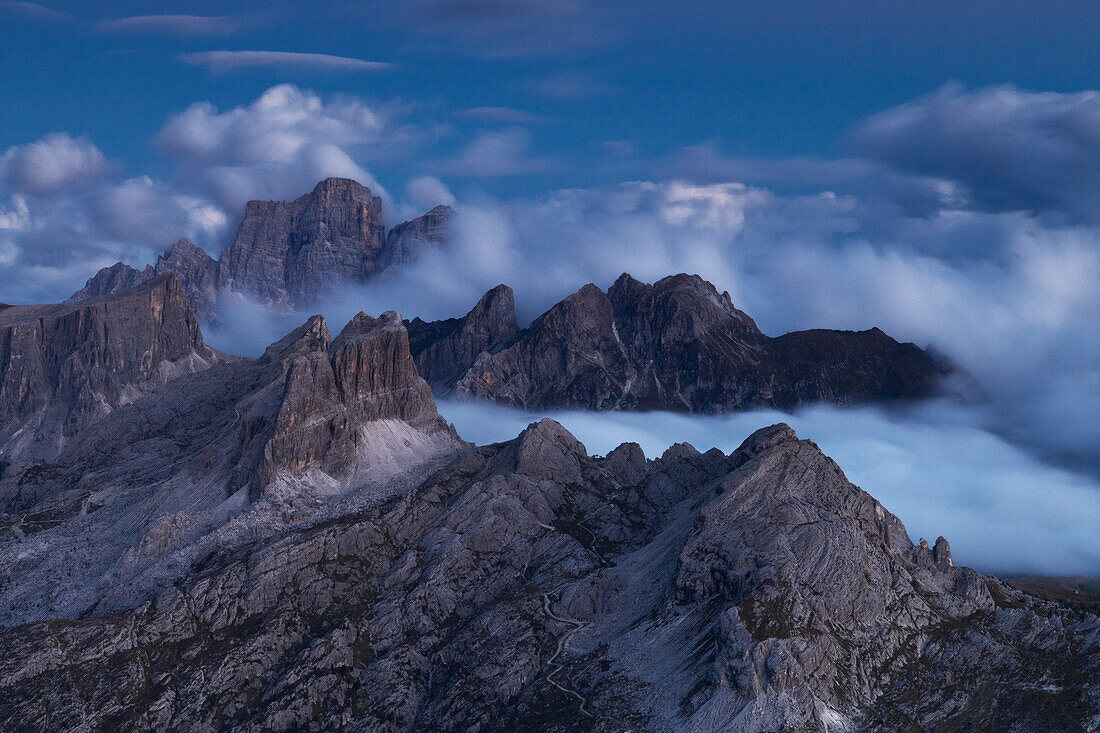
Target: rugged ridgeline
{"points": [[299, 541], [676, 345], [65, 367], [287, 254], [124, 503]]}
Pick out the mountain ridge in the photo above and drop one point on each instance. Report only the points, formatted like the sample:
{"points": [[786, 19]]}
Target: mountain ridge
{"points": [[300, 540], [286, 254], [677, 345]]}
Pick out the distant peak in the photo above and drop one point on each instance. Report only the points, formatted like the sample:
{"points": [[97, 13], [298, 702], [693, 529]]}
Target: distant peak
{"points": [[339, 184]]}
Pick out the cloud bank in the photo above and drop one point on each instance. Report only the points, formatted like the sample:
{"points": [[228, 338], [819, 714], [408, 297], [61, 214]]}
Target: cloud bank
{"points": [[1011, 149]]}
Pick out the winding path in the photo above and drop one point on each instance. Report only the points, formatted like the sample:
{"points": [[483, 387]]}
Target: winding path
{"points": [[547, 608], [563, 640]]}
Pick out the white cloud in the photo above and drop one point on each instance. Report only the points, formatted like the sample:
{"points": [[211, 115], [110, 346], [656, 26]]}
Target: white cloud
{"points": [[427, 192], [496, 153], [226, 60], [52, 164], [172, 25], [277, 147]]}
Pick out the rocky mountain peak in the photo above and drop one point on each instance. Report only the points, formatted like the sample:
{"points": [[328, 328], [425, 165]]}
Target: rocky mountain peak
{"points": [[677, 344], [287, 254], [112, 279], [442, 348], [408, 240], [313, 335], [65, 366]]}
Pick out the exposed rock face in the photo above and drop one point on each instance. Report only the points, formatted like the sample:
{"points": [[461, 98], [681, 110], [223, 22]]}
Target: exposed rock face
{"points": [[288, 254], [527, 586], [132, 501], [64, 367], [366, 374], [110, 280], [285, 252], [197, 271], [677, 345], [444, 348], [406, 241]]}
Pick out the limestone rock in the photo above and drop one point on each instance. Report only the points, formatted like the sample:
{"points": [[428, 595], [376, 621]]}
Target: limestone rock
{"points": [[63, 367], [286, 252], [443, 348], [110, 280], [406, 241], [678, 344], [197, 272], [528, 586], [289, 254]]}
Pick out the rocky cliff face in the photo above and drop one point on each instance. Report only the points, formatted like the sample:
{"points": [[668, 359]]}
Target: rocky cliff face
{"points": [[109, 280], [197, 272], [288, 254], [285, 252], [529, 586], [64, 367], [204, 459], [678, 344], [406, 241], [445, 348]]}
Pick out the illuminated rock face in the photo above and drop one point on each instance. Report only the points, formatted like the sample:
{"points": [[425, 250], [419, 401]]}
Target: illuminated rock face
{"points": [[678, 344]]}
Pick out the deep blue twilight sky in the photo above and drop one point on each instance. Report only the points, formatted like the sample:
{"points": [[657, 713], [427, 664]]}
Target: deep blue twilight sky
{"points": [[601, 90], [931, 168]]}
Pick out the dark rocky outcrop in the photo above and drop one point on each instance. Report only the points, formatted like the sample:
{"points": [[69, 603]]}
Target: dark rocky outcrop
{"points": [[110, 280], [196, 270], [678, 344], [444, 348], [287, 254], [63, 367]]}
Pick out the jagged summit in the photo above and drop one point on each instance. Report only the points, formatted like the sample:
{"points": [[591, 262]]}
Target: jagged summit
{"points": [[64, 367], [288, 254], [677, 344]]}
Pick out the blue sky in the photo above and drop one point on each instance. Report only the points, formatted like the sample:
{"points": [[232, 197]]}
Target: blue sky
{"points": [[604, 91]]}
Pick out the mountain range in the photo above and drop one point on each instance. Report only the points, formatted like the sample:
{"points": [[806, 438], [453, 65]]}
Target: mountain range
{"points": [[286, 254], [192, 540], [678, 344], [300, 540]]}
